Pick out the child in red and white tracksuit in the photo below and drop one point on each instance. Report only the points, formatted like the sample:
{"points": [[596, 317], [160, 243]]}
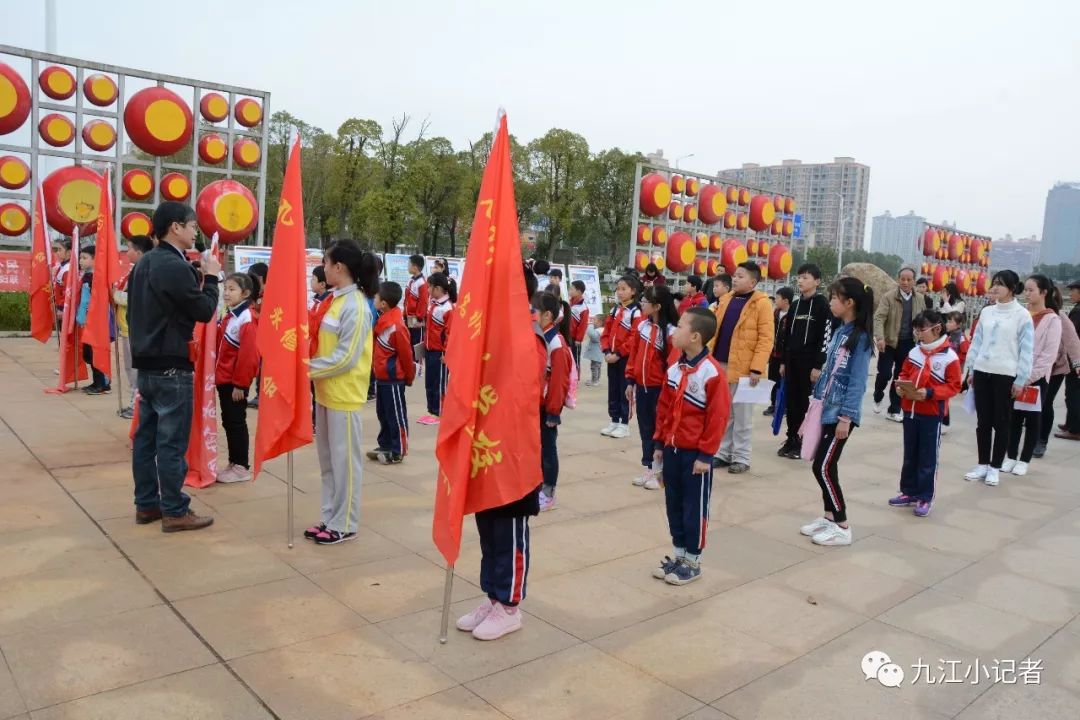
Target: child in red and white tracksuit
{"points": [[556, 386], [693, 411], [436, 335], [394, 369], [651, 354], [416, 302], [619, 331], [237, 366], [934, 367], [579, 318]]}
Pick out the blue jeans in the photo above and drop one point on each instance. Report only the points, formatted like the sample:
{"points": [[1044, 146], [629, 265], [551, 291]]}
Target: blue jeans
{"points": [[166, 403]]}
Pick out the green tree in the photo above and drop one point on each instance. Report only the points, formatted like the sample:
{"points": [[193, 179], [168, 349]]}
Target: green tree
{"points": [[825, 258], [353, 170], [559, 163], [609, 195]]}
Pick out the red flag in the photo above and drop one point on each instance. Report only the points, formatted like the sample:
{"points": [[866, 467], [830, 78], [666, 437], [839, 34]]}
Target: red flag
{"points": [[282, 337], [72, 367], [42, 316], [97, 333], [489, 435], [203, 441]]}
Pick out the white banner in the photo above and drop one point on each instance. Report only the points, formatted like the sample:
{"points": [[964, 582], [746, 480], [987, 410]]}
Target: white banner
{"points": [[589, 275]]}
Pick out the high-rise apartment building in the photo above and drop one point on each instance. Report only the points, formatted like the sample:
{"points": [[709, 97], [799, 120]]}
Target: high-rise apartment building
{"points": [[1061, 225], [897, 235], [817, 188]]}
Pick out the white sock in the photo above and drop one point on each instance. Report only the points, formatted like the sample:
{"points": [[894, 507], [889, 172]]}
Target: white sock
{"points": [[693, 559], [680, 553]]}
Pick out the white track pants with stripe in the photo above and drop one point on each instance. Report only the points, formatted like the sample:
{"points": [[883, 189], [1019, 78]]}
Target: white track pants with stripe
{"points": [[338, 441]]}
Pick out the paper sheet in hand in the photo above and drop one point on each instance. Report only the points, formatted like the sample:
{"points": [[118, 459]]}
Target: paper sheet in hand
{"points": [[760, 394], [1034, 400], [969, 401]]}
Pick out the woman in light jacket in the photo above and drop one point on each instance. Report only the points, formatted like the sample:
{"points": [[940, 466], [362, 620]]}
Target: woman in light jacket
{"points": [[1067, 362]]}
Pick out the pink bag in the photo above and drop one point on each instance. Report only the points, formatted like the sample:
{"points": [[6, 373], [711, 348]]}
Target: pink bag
{"points": [[810, 430]]}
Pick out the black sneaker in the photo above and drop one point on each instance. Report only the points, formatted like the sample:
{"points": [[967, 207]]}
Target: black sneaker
{"points": [[784, 449], [1040, 449], [388, 458], [684, 572], [738, 468], [98, 390], [333, 537], [794, 451], [769, 411], [720, 463], [666, 565]]}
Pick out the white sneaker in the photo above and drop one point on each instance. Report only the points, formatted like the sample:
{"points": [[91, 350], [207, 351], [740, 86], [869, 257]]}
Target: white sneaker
{"points": [[1020, 469], [645, 477], [234, 474], [815, 527], [608, 429], [977, 473], [992, 477], [833, 535], [879, 407], [896, 417], [1008, 465], [652, 483], [620, 431], [468, 623], [944, 429]]}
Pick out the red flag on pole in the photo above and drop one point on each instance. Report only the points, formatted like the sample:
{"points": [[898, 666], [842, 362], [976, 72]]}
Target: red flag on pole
{"points": [[97, 333], [282, 337], [489, 435], [71, 365], [42, 316]]}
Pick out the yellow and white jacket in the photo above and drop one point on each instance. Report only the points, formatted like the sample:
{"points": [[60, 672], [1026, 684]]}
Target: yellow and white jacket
{"points": [[342, 368]]}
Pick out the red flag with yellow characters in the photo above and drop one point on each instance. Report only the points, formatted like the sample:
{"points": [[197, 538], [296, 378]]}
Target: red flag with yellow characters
{"points": [[282, 336], [42, 315], [489, 434], [99, 316]]}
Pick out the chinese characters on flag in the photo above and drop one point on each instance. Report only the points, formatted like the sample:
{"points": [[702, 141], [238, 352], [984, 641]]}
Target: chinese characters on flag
{"points": [[42, 316], [489, 435], [98, 331]]}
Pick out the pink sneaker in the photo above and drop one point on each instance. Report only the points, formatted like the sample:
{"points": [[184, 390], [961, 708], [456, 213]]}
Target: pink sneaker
{"points": [[546, 502], [428, 420], [501, 620], [468, 623]]}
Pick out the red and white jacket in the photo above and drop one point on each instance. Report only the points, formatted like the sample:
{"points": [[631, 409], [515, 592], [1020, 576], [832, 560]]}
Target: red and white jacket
{"points": [[319, 305], [649, 360], [619, 329], [60, 284], [393, 355], [416, 297], [694, 406], [237, 355], [579, 320], [937, 369], [556, 374], [437, 327], [695, 300]]}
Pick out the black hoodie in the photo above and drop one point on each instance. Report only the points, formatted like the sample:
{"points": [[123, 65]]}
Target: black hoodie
{"points": [[808, 330]]}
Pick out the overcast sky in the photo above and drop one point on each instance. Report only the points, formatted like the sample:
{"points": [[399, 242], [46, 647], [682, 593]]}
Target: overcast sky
{"points": [[964, 110]]}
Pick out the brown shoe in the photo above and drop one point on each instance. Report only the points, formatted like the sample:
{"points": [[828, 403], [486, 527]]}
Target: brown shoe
{"points": [[191, 521], [1067, 435], [145, 517]]}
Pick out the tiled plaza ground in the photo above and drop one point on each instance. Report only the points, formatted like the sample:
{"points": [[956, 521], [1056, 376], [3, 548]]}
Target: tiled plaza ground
{"points": [[100, 618]]}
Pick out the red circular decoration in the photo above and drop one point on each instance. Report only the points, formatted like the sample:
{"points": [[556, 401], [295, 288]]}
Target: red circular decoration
{"points": [[751, 247], [742, 221], [701, 266], [730, 219], [135, 223], [655, 196], [732, 195], [14, 173], [678, 184], [763, 248], [779, 262], [641, 261], [248, 112], [744, 196], [228, 208], [658, 261], [72, 195], [712, 204], [733, 253], [100, 89], [714, 267], [99, 135], [14, 100], [789, 206], [158, 121], [137, 184], [675, 211], [246, 153], [212, 149], [715, 242], [659, 237], [57, 82], [14, 220], [644, 234], [56, 129], [680, 252], [690, 213], [762, 212], [214, 107], [701, 240], [175, 186], [693, 185], [789, 228]]}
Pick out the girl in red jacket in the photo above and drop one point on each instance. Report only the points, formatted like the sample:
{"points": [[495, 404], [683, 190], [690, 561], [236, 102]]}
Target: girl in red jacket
{"points": [[556, 386], [619, 330], [436, 334], [237, 365], [929, 378], [651, 354]]}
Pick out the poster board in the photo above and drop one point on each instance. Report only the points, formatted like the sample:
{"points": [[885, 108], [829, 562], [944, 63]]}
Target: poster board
{"points": [[590, 275], [244, 256]]}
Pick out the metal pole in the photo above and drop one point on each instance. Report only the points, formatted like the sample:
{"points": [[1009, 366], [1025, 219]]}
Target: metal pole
{"points": [[840, 236], [117, 375], [446, 603], [50, 26], [289, 523]]}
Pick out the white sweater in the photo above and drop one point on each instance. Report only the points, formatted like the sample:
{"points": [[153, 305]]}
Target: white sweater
{"points": [[1004, 342]]}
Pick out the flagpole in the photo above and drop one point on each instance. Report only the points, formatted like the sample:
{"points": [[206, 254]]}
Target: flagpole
{"points": [[117, 374], [446, 603], [289, 503]]}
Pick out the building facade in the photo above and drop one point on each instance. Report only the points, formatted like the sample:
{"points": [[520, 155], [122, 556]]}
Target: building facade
{"points": [[1061, 225], [897, 235], [817, 188], [1021, 255]]}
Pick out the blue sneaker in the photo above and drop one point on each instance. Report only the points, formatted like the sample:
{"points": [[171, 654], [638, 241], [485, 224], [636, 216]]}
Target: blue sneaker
{"points": [[922, 508], [683, 573], [902, 500], [666, 565]]}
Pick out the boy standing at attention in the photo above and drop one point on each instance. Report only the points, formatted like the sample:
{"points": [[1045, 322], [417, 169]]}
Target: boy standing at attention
{"points": [[394, 370], [416, 302], [579, 318], [690, 418], [805, 342]]}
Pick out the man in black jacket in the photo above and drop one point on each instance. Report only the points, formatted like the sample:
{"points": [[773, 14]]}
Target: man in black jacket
{"points": [[166, 297], [804, 349]]}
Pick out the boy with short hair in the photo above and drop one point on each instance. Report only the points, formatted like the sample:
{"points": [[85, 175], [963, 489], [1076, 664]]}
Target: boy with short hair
{"points": [[721, 286], [691, 416], [137, 246], [63, 266], [781, 318], [579, 318], [555, 277], [394, 369], [804, 349], [416, 302], [100, 385], [321, 297], [692, 294]]}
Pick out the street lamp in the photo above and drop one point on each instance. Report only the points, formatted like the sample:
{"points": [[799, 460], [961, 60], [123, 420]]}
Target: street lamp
{"points": [[840, 235], [682, 157]]}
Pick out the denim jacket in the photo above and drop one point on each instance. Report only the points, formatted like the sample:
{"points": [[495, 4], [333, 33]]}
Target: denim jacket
{"points": [[849, 384]]}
